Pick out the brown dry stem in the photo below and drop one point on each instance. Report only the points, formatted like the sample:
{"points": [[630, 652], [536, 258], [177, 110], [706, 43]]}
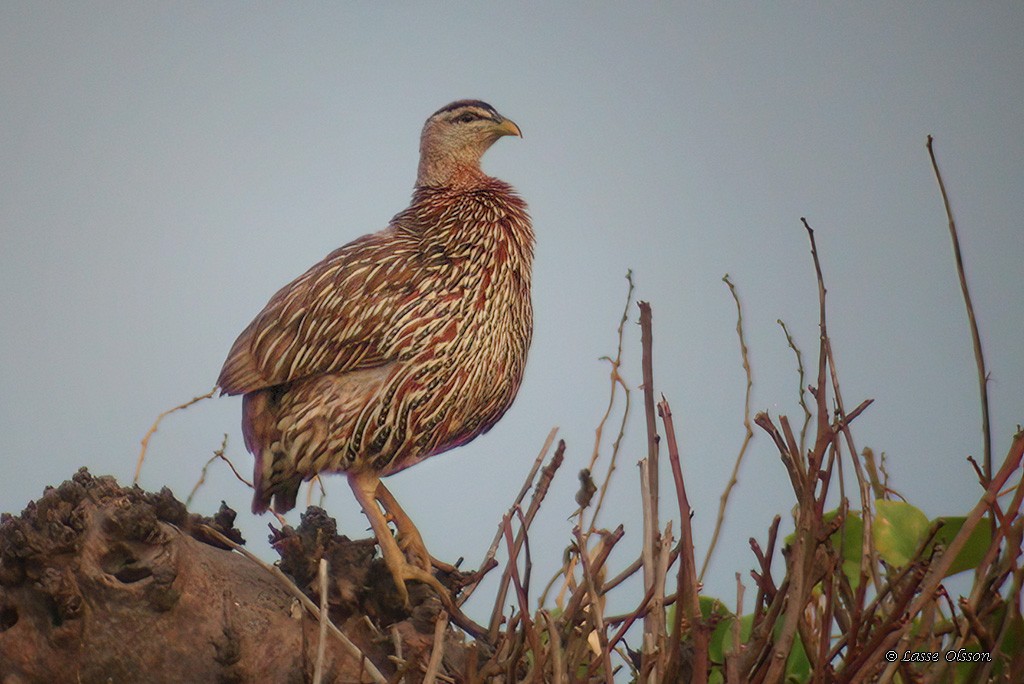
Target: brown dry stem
{"points": [[156, 424], [979, 355], [748, 431]]}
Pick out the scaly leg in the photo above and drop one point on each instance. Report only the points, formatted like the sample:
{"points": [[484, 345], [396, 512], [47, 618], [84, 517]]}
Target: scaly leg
{"points": [[364, 486], [409, 538], [369, 490]]}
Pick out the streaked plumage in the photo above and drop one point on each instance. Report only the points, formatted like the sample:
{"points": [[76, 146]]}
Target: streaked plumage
{"points": [[401, 344]]}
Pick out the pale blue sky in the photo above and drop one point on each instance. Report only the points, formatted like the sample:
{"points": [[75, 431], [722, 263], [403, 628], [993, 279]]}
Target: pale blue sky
{"points": [[165, 167]]}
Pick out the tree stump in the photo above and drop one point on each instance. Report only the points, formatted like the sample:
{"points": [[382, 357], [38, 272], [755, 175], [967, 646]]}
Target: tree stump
{"points": [[100, 583]]}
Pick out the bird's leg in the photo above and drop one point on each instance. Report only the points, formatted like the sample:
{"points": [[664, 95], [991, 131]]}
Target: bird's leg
{"points": [[364, 487], [368, 491], [409, 538]]}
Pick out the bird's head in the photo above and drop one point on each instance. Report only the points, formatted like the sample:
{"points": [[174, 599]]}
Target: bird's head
{"points": [[454, 139]]}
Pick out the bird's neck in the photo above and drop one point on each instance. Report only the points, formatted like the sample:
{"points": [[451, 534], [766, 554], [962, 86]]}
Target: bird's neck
{"points": [[448, 164], [448, 172]]}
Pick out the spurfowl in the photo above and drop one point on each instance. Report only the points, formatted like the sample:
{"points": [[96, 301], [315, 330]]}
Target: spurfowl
{"points": [[398, 346]]}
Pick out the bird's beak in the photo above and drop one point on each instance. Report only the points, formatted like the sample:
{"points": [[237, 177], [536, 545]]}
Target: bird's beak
{"points": [[507, 127]]}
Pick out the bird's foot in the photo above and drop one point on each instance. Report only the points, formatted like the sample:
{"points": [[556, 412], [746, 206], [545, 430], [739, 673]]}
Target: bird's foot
{"points": [[412, 545], [408, 572], [405, 572], [368, 492]]}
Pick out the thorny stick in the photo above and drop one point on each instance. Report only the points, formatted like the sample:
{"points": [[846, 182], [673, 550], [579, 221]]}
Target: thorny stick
{"points": [[521, 589], [557, 666], [937, 570], [321, 644], [488, 561], [654, 622], [766, 588], [793, 462], [885, 634], [437, 652], [156, 424], [631, 569], [659, 600], [800, 376], [590, 586], [538, 497], [628, 619], [799, 580], [218, 454], [616, 382], [801, 577], [687, 587], [748, 434], [820, 390], [317, 481], [732, 657], [979, 357], [759, 644], [310, 607], [869, 557], [646, 343], [601, 553]]}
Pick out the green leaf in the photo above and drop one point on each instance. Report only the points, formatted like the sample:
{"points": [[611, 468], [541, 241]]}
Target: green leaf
{"points": [[721, 641], [898, 531], [848, 542], [1014, 640], [967, 673], [717, 641], [711, 606], [973, 551], [798, 667], [721, 617]]}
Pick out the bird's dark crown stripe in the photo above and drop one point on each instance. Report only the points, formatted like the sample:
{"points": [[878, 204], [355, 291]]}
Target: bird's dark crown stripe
{"points": [[459, 104]]}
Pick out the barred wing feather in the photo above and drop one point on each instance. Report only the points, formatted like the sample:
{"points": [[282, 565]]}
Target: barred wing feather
{"points": [[338, 316]]}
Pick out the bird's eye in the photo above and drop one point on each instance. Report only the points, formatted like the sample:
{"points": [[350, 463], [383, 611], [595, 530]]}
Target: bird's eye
{"points": [[467, 117]]}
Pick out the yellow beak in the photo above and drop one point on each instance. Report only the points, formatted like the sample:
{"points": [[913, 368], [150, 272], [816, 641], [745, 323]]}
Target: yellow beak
{"points": [[508, 127]]}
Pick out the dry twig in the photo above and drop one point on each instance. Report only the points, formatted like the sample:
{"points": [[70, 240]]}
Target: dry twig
{"points": [[654, 621], [801, 394], [218, 454], [321, 644], [156, 424], [492, 550], [687, 585], [979, 356], [747, 435], [616, 382], [437, 652]]}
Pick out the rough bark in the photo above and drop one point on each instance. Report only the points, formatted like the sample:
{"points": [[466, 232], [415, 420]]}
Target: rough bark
{"points": [[100, 583]]}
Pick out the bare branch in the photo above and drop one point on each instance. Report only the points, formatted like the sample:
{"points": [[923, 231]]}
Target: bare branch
{"points": [[218, 454], [747, 436], [800, 376], [488, 561], [437, 652], [687, 585], [979, 356], [616, 382], [156, 424], [321, 645]]}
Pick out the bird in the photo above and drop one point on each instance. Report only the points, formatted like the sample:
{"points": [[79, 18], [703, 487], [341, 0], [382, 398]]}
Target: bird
{"points": [[398, 346]]}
